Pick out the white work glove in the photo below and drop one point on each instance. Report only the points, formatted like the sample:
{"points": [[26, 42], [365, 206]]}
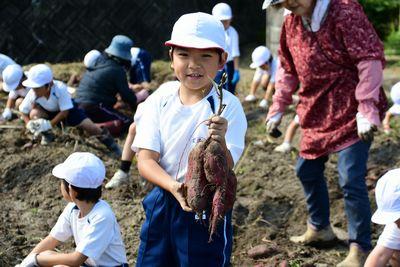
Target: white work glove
{"points": [[365, 129], [29, 261], [273, 122], [38, 126], [7, 114]]}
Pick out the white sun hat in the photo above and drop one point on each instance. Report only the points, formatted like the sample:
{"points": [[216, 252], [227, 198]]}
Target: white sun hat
{"points": [[38, 76], [90, 58], [268, 3], [81, 169], [12, 76], [260, 56], [222, 11], [387, 194], [198, 30]]}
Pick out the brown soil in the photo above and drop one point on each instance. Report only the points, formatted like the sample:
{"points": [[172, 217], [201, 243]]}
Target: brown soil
{"points": [[270, 205]]}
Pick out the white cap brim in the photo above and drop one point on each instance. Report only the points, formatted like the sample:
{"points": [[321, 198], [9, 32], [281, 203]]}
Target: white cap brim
{"points": [[31, 84], [194, 42], [59, 172], [383, 217], [254, 65], [268, 3], [223, 17]]}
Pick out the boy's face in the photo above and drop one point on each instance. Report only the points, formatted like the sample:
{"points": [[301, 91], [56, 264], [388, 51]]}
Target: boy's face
{"points": [[226, 23], [193, 66], [264, 66], [42, 91]]}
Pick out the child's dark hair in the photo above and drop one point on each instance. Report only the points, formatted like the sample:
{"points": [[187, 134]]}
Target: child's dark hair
{"points": [[85, 194]]}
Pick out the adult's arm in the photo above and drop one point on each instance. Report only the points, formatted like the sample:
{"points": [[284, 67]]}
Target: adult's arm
{"points": [[287, 80], [379, 257]]}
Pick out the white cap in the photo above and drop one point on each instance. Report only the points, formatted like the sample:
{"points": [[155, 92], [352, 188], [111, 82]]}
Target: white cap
{"points": [[395, 93], [90, 58], [198, 30], [387, 194], [81, 169], [12, 76], [260, 56], [267, 3], [38, 76], [222, 11]]}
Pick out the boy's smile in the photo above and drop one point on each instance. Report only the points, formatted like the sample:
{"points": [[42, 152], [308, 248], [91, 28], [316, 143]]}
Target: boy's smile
{"points": [[193, 67]]}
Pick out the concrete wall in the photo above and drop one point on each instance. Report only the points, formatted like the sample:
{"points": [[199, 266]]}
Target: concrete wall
{"points": [[274, 20]]}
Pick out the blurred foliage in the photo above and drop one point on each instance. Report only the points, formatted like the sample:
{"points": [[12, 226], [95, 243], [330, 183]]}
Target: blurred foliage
{"points": [[392, 44], [384, 15]]}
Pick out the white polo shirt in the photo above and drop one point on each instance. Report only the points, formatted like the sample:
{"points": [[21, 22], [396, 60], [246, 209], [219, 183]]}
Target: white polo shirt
{"points": [[14, 94], [232, 43], [390, 237], [59, 99], [97, 235], [168, 127], [271, 72]]}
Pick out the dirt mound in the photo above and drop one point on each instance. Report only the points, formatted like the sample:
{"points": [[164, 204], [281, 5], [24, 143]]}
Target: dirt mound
{"points": [[270, 205]]}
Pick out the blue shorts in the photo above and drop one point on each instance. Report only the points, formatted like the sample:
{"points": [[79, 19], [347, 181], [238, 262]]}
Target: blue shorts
{"points": [[75, 115], [173, 237]]}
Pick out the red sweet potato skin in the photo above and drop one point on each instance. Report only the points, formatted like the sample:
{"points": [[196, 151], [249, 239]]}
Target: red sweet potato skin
{"points": [[210, 183]]}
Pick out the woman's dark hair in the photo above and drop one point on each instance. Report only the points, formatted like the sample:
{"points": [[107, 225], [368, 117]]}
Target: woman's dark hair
{"points": [[85, 194]]}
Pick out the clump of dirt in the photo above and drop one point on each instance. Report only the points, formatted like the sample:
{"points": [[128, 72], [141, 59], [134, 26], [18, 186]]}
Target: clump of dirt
{"points": [[270, 205]]}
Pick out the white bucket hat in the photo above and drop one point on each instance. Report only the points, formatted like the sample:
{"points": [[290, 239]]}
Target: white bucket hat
{"points": [[38, 76], [12, 76], [81, 169], [387, 194], [260, 56], [198, 30], [268, 3], [222, 11], [91, 57]]}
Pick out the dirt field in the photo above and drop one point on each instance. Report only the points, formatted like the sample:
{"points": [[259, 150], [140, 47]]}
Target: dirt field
{"points": [[270, 205]]}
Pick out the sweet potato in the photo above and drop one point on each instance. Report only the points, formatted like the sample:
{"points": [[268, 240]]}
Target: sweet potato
{"points": [[215, 164], [217, 211]]}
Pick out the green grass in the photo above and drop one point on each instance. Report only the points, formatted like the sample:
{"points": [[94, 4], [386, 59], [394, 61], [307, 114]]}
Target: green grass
{"points": [[392, 44]]}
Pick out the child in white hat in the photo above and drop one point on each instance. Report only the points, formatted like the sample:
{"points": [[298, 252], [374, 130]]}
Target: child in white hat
{"points": [[87, 218], [395, 109], [265, 66], [49, 103], [387, 193], [223, 12], [13, 75], [171, 233]]}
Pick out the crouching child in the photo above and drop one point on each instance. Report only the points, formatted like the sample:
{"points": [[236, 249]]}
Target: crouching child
{"points": [[387, 194], [89, 219], [49, 103]]}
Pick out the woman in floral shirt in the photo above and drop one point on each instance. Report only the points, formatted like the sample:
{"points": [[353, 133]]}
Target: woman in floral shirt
{"points": [[331, 50]]}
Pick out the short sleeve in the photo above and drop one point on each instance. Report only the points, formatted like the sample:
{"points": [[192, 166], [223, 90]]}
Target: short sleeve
{"points": [[395, 110], [96, 238], [12, 95], [62, 229], [64, 98], [27, 103], [237, 126], [148, 127], [390, 237]]}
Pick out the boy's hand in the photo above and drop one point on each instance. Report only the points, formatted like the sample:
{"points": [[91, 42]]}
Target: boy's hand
{"points": [[178, 191], [217, 127], [29, 261]]}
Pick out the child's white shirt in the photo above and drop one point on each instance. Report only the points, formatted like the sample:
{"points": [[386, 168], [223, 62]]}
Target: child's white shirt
{"points": [[395, 109], [232, 43], [168, 127], [14, 94], [271, 72], [59, 99], [4, 62], [97, 235], [390, 237]]}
